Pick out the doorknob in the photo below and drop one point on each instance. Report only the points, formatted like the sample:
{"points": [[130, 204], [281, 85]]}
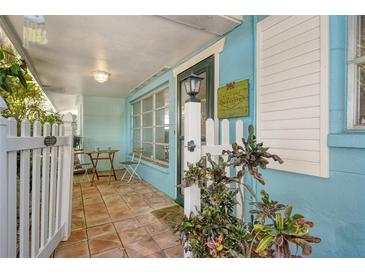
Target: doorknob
{"points": [[191, 146]]}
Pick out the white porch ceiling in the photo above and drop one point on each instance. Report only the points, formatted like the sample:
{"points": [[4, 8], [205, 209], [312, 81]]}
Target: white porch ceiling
{"points": [[131, 48]]}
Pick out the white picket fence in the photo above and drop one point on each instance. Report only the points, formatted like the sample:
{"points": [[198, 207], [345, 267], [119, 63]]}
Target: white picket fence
{"points": [[35, 196], [192, 130]]}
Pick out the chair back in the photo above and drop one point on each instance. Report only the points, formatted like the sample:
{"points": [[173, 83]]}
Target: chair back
{"points": [[137, 153]]}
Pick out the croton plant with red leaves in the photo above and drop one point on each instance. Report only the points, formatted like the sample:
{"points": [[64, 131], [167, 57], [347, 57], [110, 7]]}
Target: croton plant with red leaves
{"points": [[216, 231]]}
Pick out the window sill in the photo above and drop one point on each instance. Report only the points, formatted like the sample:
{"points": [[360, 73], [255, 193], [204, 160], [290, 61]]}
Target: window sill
{"points": [[154, 165], [349, 140]]}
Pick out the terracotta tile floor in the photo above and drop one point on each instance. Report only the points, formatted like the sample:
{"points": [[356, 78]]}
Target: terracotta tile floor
{"points": [[114, 220]]}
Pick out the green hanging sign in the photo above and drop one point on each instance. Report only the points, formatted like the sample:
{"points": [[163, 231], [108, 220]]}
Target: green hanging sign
{"points": [[233, 100]]}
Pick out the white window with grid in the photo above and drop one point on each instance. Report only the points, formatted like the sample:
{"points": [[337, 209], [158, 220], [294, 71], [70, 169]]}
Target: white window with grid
{"points": [[150, 126], [356, 73]]}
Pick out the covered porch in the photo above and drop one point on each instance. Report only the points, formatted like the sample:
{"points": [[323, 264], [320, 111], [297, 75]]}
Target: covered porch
{"points": [[122, 77]]}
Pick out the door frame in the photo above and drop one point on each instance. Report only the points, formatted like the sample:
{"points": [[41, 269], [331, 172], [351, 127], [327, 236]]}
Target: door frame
{"points": [[215, 49], [207, 65]]}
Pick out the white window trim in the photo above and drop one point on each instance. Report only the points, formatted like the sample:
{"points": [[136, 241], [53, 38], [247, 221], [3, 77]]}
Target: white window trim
{"points": [[352, 87], [141, 127]]}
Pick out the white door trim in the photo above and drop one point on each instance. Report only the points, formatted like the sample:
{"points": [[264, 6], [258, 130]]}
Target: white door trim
{"points": [[215, 50], [211, 50]]}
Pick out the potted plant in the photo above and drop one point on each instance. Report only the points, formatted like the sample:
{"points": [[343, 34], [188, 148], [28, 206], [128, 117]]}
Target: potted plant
{"points": [[216, 232]]}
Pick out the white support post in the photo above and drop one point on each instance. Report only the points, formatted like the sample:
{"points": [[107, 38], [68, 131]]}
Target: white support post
{"points": [[67, 177], [192, 129], [3, 183]]}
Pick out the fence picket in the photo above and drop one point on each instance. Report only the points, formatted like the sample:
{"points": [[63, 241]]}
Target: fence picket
{"points": [[36, 191], [50, 185], [209, 125], [53, 186], [67, 177], [3, 183], [45, 188], [225, 138], [239, 136], [24, 195], [59, 181], [12, 192]]}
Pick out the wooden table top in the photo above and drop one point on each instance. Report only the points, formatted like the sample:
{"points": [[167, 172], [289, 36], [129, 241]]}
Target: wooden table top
{"points": [[101, 151]]}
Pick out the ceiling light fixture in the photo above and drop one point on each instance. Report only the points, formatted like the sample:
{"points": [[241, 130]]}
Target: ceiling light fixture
{"points": [[101, 76], [34, 30]]}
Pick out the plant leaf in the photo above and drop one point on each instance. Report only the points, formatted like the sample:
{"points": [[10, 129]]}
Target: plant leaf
{"points": [[265, 243]]}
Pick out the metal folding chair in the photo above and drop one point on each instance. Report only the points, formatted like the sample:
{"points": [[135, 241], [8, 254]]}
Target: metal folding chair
{"points": [[80, 165], [132, 165], [86, 167]]}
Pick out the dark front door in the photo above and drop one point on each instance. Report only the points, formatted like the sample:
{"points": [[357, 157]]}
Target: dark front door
{"points": [[204, 69]]}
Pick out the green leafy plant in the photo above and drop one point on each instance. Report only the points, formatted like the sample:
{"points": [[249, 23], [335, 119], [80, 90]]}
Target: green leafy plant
{"points": [[275, 228], [14, 69], [216, 232], [23, 96]]}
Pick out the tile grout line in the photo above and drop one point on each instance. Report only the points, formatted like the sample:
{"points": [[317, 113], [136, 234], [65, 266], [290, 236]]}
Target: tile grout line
{"points": [[112, 222], [109, 189], [83, 210]]}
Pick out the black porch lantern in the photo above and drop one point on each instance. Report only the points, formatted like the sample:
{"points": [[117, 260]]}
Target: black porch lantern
{"points": [[192, 86]]}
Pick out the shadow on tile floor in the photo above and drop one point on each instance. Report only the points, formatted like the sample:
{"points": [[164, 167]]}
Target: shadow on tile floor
{"points": [[114, 220]]}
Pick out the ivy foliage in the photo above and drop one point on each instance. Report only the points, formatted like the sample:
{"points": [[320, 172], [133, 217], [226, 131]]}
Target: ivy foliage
{"points": [[22, 94]]}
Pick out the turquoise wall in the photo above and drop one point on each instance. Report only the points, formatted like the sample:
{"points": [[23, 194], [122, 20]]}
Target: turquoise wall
{"points": [[336, 204], [102, 125]]}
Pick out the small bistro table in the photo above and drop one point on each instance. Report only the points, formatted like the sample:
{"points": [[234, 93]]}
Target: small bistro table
{"points": [[99, 157]]}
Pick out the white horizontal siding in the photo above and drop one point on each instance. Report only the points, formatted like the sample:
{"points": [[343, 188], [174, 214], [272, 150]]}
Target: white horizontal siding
{"points": [[295, 103], [271, 21], [302, 155], [311, 145], [301, 49], [310, 123], [306, 58], [296, 113], [292, 91], [284, 26], [293, 34], [305, 80], [312, 34], [292, 73], [293, 134], [298, 166]]}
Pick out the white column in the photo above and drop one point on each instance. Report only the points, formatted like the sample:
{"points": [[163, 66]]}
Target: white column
{"points": [[192, 132], [3, 184], [67, 177]]}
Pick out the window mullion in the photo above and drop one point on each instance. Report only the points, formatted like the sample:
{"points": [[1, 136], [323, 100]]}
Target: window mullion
{"points": [[153, 97], [153, 125], [141, 127]]}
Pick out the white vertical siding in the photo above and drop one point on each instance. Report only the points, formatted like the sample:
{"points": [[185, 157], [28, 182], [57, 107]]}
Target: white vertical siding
{"points": [[292, 91]]}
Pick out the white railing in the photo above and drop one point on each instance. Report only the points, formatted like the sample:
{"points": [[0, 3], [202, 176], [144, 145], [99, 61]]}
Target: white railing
{"points": [[35, 186], [192, 130]]}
